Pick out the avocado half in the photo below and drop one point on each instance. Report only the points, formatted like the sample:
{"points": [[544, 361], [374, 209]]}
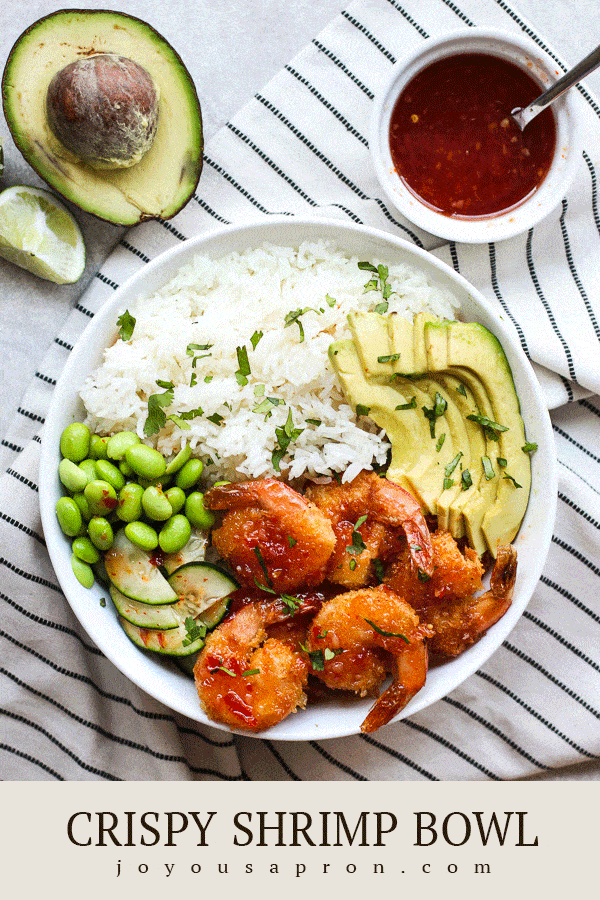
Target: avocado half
{"points": [[163, 181]]}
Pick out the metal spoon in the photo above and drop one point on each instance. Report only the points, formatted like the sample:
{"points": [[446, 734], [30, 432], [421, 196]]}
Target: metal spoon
{"points": [[523, 116]]}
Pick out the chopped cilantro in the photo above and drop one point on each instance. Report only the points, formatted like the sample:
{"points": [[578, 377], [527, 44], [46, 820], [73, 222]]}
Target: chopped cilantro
{"points": [[362, 410], [315, 422], [261, 562], [291, 541], [352, 564], [386, 633], [423, 576], [461, 389], [126, 323], [208, 379], [440, 441], [438, 409], [181, 419], [488, 470], [392, 357], [255, 338], [491, 429], [216, 418], [466, 480], [448, 482], [292, 603], [157, 417], [412, 404], [195, 631], [529, 447], [102, 601], [379, 570], [250, 672], [318, 658], [222, 668], [330, 300], [243, 366], [285, 436], [516, 483], [502, 462], [294, 316]]}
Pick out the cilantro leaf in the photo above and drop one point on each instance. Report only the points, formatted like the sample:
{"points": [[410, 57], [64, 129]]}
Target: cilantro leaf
{"points": [[386, 633], [412, 404], [126, 323], [438, 409], [255, 338], [157, 417]]}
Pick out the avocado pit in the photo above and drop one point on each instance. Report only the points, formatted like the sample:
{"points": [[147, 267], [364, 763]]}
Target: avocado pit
{"points": [[104, 110]]}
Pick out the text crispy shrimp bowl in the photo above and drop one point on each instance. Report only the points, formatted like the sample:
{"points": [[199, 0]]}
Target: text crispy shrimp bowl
{"points": [[283, 461]]}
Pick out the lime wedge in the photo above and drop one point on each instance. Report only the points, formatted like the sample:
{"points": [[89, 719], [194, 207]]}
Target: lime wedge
{"points": [[40, 235]]}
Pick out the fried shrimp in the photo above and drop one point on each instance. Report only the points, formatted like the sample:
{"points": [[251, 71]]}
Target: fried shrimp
{"points": [[460, 621], [368, 515], [455, 575], [246, 678], [271, 535], [359, 637]]}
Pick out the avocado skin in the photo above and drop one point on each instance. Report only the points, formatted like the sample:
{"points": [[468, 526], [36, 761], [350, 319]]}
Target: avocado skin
{"points": [[444, 355], [166, 178]]}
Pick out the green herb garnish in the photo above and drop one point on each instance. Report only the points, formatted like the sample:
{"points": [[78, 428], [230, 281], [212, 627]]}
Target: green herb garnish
{"points": [[291, 541], [379, 570], [194, 630], [362, 410], [255, 338], [461, 389], [379, 282], [491, 429], [501, 462], [488, 470], [437, 410], [330, 300], [294, 316], [250, 672], [392, 357], [440, 441], [318, 658], [510, 478], [216, 418], [261, 562], [243, 366], [466, 480], [285, 435], [529, 447], [157, 417], [386, 633], [315, 422], [126, 323], [412, 404]]}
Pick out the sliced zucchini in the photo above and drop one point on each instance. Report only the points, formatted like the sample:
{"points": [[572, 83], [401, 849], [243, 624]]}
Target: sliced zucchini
{"points": [[194, 551], [144, 614], [206, 589], [174, 642], [132, 572]]}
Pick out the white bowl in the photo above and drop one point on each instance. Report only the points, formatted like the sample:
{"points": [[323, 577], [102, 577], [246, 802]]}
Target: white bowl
{"points": [[481, 230], [161, 679]]}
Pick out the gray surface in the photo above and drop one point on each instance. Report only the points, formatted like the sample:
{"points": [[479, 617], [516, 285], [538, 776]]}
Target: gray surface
{"points": [[231, 49]]}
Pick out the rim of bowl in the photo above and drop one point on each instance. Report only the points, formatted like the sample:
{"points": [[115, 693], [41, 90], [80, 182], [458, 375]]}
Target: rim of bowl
{"points": [[523, 52], [165, 685]]}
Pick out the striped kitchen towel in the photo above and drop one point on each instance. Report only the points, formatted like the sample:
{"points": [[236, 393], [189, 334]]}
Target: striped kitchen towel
{"points": [[301, 146]]}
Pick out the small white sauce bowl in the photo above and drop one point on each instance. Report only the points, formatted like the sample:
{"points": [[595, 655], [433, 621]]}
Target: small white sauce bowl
{"points": [[567, 114]]}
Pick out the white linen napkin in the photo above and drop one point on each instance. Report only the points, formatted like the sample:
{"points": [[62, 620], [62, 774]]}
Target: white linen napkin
{"points": [[301, 146]]}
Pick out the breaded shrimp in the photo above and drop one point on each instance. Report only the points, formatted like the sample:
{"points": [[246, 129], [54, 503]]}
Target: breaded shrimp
{"points": [[271, 535], [461, 621], [454, 575], [369, 515], [359, 637], [247, 679]]}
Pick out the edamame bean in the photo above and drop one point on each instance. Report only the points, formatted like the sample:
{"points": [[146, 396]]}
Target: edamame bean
{"points": [[84, 550], [106, 471], [176, 498], [89, 467], [145, 461], [84, 507], [180, 460], [189, 474], [75, 442], [83, 573], [69, 517], [101, 496], [142, 535], [162, 482], [73, 478], [174, 534], [118, 444], [156, 505], [130, 502], [100, 533], [125, 468], [98, 446], [197, 513]]}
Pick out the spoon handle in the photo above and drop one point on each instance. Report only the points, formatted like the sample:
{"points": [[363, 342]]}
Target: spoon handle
{"points": [[523, 116]]}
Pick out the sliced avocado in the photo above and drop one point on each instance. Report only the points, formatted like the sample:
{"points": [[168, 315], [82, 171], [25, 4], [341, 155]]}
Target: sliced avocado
{"points": [[372, 341], [400, 331], [408, 426], [476, 356], [163, 181]]}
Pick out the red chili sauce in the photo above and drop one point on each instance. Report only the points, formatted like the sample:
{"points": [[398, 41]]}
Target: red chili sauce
{"points": [[454, 144]]}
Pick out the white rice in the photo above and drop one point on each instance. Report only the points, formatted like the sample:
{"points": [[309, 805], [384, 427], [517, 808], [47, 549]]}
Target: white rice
{"points": [[223, 303]]}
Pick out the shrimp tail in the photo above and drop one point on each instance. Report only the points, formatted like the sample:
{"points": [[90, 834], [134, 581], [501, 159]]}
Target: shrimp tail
{"points": [[492, 605], [410, 672]]}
